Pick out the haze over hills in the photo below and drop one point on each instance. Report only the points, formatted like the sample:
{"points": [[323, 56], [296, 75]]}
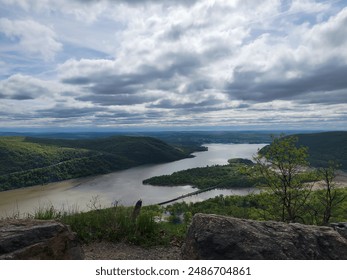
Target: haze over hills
{"points": [[182, 137]]}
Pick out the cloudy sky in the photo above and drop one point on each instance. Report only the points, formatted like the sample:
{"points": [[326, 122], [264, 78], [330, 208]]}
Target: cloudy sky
{"points": [[238, 64]]}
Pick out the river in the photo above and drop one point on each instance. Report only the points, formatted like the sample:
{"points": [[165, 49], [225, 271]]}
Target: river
{"points": [[124, 187]]}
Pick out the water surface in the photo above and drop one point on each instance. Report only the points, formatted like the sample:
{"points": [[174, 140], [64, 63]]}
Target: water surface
{"points": [[124, 187]]}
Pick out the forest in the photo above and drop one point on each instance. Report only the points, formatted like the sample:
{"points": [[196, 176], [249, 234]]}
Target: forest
{"points": [[290, 189], [27, 161], [322, 148], [221, 176]]}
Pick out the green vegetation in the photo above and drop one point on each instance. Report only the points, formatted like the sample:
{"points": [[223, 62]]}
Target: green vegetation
{"points": [[152, 228], [18, 154], [283, 166], [116, 224], [323, 148], [29, 161], [280, 169], [283, 169], [223, 176], [331, 196], [287, 196], [261, 207], [194, 138]]}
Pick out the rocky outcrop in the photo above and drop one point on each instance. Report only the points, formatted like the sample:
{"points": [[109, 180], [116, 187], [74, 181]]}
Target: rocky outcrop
{"points": [[219, 237], [341, 228], [35, 240]]}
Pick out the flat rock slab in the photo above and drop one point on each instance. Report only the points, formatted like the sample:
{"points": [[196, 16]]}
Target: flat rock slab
{"points": [[226, 238], [36, 239]]}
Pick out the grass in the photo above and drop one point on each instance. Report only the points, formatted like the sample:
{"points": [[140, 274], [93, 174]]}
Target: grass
{"points": [[116, 224], [153, 228]]}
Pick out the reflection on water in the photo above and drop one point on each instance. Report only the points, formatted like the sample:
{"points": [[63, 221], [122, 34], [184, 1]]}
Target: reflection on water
{"points": [[125, 187]]}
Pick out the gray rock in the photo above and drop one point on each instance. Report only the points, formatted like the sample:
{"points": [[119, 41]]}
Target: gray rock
{"points": [[341, 228], [224, 238], [34, 240]]}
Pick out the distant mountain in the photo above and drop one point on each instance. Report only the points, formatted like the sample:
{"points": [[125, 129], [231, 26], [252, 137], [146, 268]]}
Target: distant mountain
{"points": [[176, 137], [26, 161], [324, 147]]}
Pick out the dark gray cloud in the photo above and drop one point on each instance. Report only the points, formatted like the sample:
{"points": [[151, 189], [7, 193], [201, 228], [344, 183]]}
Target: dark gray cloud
{"points": [[326, 98], [118, 99], [144, 78], [316, 86], [198, 85], [62, 112], [118, 115], [22, 96], [15, 116], [170, 104], [175, 33], [128, 118], [20, 87]]}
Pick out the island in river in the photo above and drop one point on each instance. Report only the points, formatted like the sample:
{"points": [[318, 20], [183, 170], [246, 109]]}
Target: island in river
{"points": [[216, 176]]}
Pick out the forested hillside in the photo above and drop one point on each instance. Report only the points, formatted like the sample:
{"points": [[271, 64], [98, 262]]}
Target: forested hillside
{"points": [[28, 161], [324, 147]]}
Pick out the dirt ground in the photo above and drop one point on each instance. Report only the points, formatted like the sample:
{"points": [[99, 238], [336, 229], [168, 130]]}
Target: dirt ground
{"points": [[121, 251]]}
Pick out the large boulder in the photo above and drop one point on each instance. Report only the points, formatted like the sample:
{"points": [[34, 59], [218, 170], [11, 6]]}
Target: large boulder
{"points": [[35, 240], [224, 238], [341, 228]]}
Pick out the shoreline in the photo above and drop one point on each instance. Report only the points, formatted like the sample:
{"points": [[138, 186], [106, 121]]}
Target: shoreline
{"points": [[23, 201]]}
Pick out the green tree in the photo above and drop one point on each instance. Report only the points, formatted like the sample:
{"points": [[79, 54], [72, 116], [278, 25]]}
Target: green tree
{"points": [[281, 166], [329, 198]]}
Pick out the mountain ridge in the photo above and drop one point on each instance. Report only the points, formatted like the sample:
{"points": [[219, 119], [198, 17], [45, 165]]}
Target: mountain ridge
{"points": [[323, 147], [26, 161]]}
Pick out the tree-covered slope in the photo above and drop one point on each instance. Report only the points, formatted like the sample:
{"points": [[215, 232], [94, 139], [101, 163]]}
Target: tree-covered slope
{"points": [[17, 154], [140, 150], [30, 161], [324, 147]]}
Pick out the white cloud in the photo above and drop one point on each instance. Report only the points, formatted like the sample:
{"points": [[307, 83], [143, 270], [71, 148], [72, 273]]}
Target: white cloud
{"points": [[33, 37], [175, 62], [22, 87], [308, 6]]}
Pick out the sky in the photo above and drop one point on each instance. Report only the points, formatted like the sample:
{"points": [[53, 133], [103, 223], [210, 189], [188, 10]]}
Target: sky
{"points": [[165, 64]]}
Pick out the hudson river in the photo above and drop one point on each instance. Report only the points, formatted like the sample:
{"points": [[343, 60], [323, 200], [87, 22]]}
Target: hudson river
{"points": [[124, 187]]}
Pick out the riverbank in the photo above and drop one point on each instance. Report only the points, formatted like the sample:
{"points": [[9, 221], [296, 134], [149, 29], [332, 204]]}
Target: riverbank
{"points": [[124, 187], [23, 201]]}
